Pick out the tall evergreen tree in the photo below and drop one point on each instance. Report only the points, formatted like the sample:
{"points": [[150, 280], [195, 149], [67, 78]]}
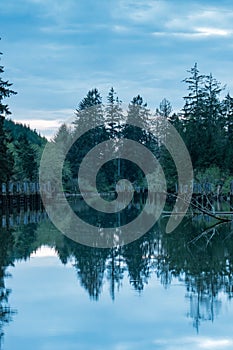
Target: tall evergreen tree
{"points": [[137, 113], [193, 113], [26, 160], [212, 124], [227, 113], [113, 114], [202, 119], [89, 110], [194, 102], [114, 119], [165, 108], [63, 139], [5, 156], [88, 113]]}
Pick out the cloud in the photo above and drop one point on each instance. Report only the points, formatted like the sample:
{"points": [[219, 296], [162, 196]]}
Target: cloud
{"points": [[197, 33], [201, 21], [54, 51], [205, 31], [141, 11], [181, 19], [195, 343], [47, 122]]}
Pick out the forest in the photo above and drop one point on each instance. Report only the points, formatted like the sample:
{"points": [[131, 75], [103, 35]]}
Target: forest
{"points": [[205, 123]]}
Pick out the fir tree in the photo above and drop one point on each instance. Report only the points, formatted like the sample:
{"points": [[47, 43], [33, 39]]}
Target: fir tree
{"points": [[88, 114], [25, 164], [5, 156]]}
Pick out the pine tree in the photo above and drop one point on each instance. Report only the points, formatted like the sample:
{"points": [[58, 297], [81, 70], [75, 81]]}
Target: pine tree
{"points": [[227, 113], [63, 139], [164, 111], [212, 103], [193, 112], [89, 110], [165, 108], [194, 102], [88, 114], [113, 115], [137, 113], [114, 119], [5, 156], [25, 164], [212, 124]]}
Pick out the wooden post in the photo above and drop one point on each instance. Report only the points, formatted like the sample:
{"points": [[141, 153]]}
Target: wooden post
{"points": [[231, 192]]}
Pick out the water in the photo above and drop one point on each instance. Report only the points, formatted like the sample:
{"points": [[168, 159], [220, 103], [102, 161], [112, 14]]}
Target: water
{"points": [[159, 292]]}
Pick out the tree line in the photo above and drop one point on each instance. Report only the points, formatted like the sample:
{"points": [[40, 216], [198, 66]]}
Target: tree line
{"points": [[205, 123]]}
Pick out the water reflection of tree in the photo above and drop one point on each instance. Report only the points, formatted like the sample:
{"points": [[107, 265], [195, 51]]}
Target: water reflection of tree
{"points": [[115, 270], [203, 261], [205, 264], [90, 266], [6, 246]]}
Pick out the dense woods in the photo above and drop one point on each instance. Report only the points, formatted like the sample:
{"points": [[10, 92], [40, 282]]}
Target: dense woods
{"points": [[205, 123]]}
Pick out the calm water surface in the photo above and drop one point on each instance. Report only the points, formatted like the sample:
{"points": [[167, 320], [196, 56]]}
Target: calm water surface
{"points": [[159, 292]]}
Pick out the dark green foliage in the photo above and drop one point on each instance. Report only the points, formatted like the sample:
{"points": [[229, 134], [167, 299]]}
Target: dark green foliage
{"points": [[25, 159], [5, 92], [203, 125], [16, 130], [19, 145], [227, 122], [6, 159]]}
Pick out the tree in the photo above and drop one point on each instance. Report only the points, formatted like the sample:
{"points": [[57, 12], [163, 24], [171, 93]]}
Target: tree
{"points": [[203, 131], [89, 110], [88, 114], [113, 123], [212, 124], [64, 139], [165, 108], [194, 101], [5, 156], [227, 114], [113, 115], [137, 113], [25, 160], [5, 92]]}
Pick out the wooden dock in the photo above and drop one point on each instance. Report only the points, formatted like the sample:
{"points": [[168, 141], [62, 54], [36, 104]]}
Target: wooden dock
{"points": [[20, 194]]}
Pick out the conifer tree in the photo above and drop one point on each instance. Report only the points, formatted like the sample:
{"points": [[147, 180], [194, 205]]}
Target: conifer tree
{"points": [[5, 156], [88, 113], [25, 160], [114, 119], [137, 113], [227, 113], [113, 114]]}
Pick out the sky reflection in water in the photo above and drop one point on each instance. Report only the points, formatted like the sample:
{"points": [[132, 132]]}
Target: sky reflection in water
{"points": [[157, 293]]}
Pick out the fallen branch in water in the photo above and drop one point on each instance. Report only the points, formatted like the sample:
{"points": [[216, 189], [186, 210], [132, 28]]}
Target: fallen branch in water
{"points": [[204, 211]]}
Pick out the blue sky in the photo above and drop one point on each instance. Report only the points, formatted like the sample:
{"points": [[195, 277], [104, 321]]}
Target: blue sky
{"points": [[54, 51]]}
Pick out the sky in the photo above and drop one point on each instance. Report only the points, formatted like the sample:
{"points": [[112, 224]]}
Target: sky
{"points": [[54, 51]]}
